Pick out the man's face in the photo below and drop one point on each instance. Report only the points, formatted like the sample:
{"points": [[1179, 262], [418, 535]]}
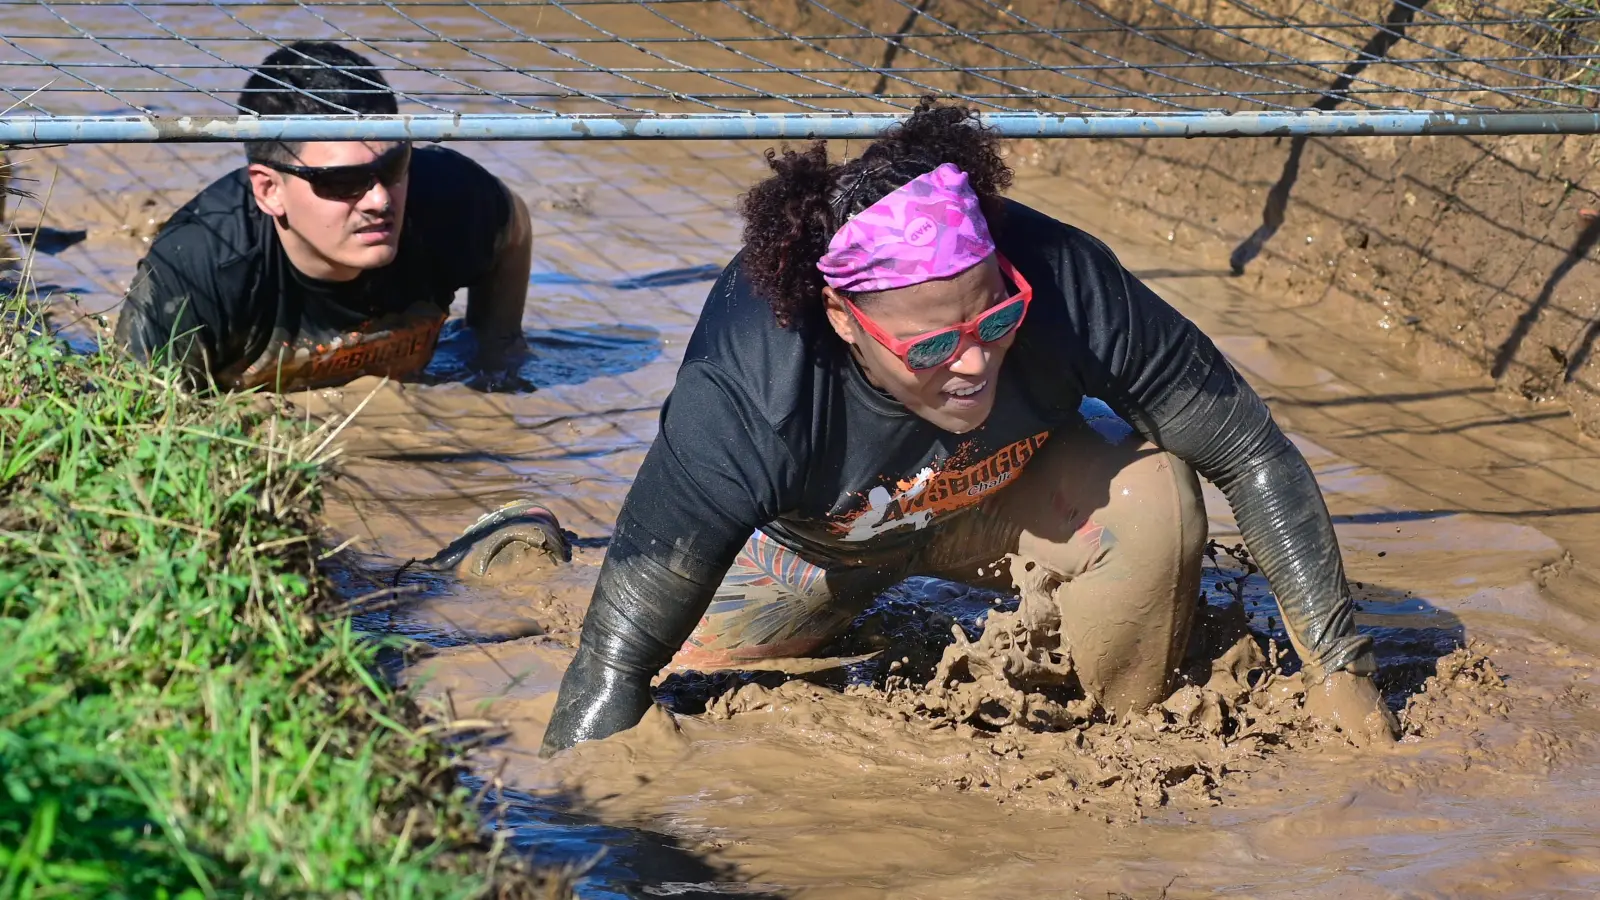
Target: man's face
{"points": [[338, 224]]}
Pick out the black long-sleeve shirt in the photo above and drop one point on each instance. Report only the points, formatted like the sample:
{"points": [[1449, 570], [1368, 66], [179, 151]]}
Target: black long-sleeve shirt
{"points": [[777, 429]]}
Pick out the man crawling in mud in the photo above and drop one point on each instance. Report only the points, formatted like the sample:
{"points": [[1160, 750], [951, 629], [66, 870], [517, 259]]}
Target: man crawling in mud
{"points": [[887, 381], [323, 261]]}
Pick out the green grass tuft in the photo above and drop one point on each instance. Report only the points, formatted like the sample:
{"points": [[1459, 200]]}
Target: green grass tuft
{"points": [[181, 715]]}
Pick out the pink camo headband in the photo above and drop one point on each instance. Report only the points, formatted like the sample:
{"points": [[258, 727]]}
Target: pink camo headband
{"points": [[931, 227]]}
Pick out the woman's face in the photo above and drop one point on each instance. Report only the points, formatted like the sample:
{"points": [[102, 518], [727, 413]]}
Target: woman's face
{"points": [[956, 396]]}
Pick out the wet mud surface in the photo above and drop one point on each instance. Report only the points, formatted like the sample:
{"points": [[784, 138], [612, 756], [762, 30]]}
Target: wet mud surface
{"points": [[943, 749]]}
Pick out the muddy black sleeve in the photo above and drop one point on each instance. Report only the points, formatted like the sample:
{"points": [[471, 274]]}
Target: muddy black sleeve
{"points": [[1157, 370], [460, 213], [173, 311], [716, 472]]}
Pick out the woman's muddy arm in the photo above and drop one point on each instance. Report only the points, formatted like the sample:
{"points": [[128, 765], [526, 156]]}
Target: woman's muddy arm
{"points": [[641, 614], [715, 472], [1223, 429], [1165, 377]]}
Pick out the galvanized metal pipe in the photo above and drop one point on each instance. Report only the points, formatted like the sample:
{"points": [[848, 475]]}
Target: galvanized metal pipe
{"points": [[21, 130]]}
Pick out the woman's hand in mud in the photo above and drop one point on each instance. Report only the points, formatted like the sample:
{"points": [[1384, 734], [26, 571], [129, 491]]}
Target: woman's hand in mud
{"points": [[1353, 704]]}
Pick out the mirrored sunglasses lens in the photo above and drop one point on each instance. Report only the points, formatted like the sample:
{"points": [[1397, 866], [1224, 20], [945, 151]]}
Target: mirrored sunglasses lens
{"points": [[343, 185], [932, 351], [1000, 321], [392, 169]]}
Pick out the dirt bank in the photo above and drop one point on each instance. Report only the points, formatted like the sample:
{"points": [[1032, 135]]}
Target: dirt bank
{"points": [[1472, 246]]}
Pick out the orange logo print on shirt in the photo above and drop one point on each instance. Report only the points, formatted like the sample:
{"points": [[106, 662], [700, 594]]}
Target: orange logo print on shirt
{"points": [[397, 348], [934, 492]]}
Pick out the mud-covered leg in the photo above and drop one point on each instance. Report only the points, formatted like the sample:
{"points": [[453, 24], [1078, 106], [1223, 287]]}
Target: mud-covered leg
{"points": [[1108, 535], [1130, 572]]}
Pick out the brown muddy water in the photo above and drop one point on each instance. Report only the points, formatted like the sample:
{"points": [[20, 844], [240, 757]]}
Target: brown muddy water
{"points": [[1468, 522]]}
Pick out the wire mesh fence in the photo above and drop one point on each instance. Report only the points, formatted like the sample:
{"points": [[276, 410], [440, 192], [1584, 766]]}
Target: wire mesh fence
{"points": [[172, 69]]}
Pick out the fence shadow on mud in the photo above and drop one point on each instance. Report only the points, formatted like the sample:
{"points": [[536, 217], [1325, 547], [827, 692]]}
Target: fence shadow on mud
{"points": [[1479, 245], [1502, 355], [1377, 46], [1400, 272]]}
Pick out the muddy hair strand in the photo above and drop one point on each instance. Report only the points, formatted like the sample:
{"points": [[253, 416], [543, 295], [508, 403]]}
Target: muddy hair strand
{"points": [[790, 217]]}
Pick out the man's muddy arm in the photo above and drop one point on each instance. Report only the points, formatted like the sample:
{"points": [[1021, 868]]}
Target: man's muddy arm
{"points": [[155, 326], [495, 305]]}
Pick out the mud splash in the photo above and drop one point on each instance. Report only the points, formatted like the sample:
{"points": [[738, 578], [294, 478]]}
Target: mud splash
{"points": [[856, 784]]}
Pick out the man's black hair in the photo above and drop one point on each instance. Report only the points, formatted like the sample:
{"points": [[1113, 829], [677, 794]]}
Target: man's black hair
{"points": [[308, 78]]}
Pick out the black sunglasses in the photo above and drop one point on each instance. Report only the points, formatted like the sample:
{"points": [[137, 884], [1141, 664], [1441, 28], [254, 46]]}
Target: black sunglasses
{"points": [[351, 182]]}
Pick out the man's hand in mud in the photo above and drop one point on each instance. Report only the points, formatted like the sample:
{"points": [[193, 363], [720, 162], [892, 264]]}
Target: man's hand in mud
{"points": [[498, 365], [500, 382], [1353, 704]]}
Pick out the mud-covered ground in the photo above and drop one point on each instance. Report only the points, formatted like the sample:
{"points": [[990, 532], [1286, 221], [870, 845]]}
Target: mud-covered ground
{"points": [[943, 765]]}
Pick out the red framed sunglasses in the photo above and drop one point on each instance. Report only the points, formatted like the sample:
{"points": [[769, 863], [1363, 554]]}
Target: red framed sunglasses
{"points": [[935, 348]]}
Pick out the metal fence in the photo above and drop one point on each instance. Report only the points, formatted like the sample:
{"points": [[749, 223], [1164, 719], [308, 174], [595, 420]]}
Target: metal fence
{"points": [[170, 70]]}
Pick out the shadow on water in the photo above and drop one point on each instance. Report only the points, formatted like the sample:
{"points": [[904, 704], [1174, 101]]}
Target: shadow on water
{"points": [[1571, 362], [662, 279], [555, 356], [616, 862], [47, 240], [65, 321]]}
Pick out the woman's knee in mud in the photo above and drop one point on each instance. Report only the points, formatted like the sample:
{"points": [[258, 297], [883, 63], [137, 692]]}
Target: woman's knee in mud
{"points": [[1130, 576], [1157, 500], [1136, 507]]}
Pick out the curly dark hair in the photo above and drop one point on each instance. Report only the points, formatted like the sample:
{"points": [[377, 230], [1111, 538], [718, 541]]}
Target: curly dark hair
{"points": [[790, 217]]}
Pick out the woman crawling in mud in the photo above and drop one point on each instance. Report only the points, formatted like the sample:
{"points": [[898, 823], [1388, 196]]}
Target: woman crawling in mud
{"points": [[887, 382]]}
